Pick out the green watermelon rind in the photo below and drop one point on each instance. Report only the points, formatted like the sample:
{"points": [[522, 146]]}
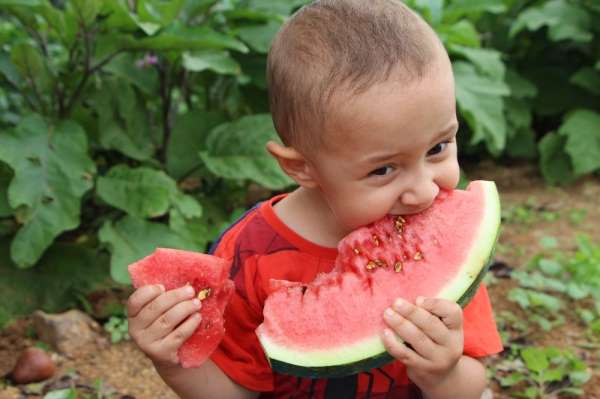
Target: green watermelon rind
{"points": [[371, 353]]}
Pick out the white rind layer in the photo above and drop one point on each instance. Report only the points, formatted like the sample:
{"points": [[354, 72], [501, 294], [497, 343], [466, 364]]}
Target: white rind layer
{"points": [[476, 259]]}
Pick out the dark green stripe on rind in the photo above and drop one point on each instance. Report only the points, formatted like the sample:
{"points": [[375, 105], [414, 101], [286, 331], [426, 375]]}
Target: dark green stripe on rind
{"points": [[341, 370]]}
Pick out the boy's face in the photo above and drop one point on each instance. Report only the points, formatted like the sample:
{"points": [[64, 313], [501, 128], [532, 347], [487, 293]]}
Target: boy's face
{"points": [[390, 149]]}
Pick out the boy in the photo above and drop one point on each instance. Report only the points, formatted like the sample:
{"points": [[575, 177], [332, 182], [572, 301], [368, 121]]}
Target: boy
{"points": [[362, 96]]}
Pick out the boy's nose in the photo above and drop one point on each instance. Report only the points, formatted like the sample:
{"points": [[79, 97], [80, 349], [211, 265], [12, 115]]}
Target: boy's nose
{"points": [[420, 196]]}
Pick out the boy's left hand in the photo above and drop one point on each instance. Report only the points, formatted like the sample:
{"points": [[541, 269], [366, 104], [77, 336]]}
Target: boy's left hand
{"points": [[433, 328]]}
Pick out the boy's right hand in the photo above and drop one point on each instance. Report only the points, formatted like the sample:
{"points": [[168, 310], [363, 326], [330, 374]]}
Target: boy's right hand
{"points": [[159, 321]]}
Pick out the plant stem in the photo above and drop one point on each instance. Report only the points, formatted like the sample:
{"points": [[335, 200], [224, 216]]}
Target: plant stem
{"points": [[166, 97]]}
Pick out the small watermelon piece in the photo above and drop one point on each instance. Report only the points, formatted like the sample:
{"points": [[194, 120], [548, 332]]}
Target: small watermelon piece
{"points": [[332, 327], [209, 276]]}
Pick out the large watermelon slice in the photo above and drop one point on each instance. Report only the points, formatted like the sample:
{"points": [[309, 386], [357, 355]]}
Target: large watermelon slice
{"points": [[332, 327], [209, 276]]}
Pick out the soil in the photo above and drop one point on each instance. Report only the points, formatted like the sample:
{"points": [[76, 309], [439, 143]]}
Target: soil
{"points": [[545, 211]]}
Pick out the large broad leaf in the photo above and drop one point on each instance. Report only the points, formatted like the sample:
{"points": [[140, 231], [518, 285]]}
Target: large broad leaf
{"points": [[457, 9], [480, 102], [131, 239], [144, 192], [281, 7], [259, 37], [52, 172], [555, 163], [487, 61], [29, 62], [462, 33], [565, 21], [123, 122], [63, 275], [188, 138], [6, 176], [587, 78], [141, 192], [214, 60], [126, 67], [236, 150], [179, 37], [582, 128]]}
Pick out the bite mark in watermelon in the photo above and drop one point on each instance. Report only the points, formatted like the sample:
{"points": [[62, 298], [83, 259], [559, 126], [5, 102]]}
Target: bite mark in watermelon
{"points": [[209, 276], [332, 327]]}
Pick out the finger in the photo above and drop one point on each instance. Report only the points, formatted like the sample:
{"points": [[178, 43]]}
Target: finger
{"points": [[141, 297], [173, 341], [168, 321], [410, 334], [162, 304], [449, 312], [430, 324], [399, 350]]}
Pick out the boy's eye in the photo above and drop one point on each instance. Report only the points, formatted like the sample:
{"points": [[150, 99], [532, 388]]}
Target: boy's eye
{"points": [[384, 170], [438, 148]]}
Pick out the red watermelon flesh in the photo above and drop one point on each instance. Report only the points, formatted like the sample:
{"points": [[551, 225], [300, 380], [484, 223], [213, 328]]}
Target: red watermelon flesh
{"points": [[209, 276], [332, 327]]}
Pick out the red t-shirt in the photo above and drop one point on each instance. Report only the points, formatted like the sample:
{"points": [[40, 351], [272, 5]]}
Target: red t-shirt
{"points": [[262, 247]]}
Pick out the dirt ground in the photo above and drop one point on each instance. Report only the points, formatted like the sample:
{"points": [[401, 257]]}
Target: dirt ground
{"points": [[126, 373]]}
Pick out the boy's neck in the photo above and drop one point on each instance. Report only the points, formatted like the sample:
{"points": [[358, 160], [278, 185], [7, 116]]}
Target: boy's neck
{"points": [[308, 215]]}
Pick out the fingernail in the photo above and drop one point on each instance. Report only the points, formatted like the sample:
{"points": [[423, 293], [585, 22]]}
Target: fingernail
{"points": [[196, 302], [190, 290], [389, 312], [399, 304], [161, 288]]}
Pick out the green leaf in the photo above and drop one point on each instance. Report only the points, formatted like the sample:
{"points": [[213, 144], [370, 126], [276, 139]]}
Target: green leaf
{"points": [[459, 8], [259, 37], [487, 61], [179, 37], [480, 103], [236, 150], [461, 33], [141, 192], [52, 172], [6, 176], [281, 7], [565, 21], [194, 230], [62, 275], [131, 239], [587, 78], [124, 66], [7, 68], [520, 87], [29, 62], [123, 122], [555, 163], [535, 359], [188, 138], [66, 393], [85, 10], [582, 129], [214, 60], [20, 3]]}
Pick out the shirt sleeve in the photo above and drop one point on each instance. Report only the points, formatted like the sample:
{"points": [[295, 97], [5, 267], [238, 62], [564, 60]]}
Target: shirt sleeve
{"points": [[240, 354], [480, 332]]}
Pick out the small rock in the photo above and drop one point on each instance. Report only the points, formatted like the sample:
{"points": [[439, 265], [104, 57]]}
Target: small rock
{"points": [[33, 365], [67, 333]]}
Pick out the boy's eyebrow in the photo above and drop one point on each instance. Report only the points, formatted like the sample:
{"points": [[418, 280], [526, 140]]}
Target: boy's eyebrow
{"points": [[441, 135]]}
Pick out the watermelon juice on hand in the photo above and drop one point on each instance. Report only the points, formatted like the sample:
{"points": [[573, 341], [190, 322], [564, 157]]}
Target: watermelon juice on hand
{"points": [[194, 285], [332, 327]]}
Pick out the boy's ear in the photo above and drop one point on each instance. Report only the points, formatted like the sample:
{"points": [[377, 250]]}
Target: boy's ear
{"points": [[293, 163]]}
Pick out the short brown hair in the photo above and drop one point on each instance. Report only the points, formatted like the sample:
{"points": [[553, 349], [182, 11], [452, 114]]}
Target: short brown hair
{"points": [[330, 45]]}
